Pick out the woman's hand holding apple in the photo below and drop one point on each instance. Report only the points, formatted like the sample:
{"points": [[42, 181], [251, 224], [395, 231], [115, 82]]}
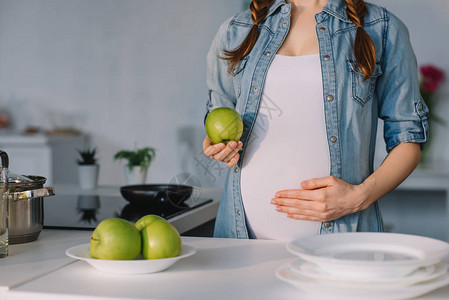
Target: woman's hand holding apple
{"points": [[221, 152], [224, 128]]}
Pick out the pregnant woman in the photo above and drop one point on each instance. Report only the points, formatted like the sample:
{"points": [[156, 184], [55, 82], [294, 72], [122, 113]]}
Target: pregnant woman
{"points": [[310, 79]]}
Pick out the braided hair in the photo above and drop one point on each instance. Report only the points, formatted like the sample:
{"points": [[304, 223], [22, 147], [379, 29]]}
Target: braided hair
{"points": [[364, 51], [259, 10]]}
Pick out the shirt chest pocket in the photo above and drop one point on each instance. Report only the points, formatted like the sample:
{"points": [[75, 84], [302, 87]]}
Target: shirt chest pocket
{"points": [[362, 91], [237, 75]]}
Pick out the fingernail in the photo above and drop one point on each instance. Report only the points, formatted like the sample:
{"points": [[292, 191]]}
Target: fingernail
{"points": [[277, 195], [240, 144], [232, 144], [273, 201], [278, 208]]}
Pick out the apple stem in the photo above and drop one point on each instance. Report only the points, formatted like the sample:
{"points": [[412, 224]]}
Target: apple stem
{"points": [[92, 239]]}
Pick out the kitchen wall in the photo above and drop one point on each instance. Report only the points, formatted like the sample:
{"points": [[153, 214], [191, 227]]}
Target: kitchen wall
{"points": [[131, 73]]}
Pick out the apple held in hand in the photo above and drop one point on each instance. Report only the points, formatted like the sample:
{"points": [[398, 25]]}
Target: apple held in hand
{"points": [[223, 125], [160, 240], [115, 239]]}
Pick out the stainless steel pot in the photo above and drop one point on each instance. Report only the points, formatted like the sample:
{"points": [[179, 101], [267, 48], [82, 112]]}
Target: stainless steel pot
{"points": [[26, 207]]}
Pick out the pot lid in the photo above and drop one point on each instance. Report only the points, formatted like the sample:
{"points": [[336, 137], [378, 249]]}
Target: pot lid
{"points": [[16, 178]]}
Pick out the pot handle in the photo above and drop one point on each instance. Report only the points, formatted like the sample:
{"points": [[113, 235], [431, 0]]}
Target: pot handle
{"points": [[43, 192]]}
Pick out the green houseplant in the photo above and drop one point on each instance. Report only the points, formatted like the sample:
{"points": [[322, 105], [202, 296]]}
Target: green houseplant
{"points": [[88, 169], [87, 156], [138, 162]]}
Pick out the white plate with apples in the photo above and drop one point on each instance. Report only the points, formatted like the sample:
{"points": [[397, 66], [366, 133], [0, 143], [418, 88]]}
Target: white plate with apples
{"points": [[134, 266], [118, 246]]}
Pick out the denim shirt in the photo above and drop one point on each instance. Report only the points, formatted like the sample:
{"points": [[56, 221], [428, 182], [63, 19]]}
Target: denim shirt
{"points": [[352, 106]]}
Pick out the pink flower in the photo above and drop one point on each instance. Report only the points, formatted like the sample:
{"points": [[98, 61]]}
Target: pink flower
{"points": [[432, 77]]}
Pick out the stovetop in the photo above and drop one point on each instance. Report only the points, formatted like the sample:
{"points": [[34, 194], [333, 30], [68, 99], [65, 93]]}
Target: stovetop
{"points": [[85, 211]]}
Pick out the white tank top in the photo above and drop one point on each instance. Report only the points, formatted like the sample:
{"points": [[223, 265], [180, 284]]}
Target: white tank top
{"points": [[288, 144]]}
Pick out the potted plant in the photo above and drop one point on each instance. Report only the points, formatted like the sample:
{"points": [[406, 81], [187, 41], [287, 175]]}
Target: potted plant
{"points": [[138, 162], [88, 169]]}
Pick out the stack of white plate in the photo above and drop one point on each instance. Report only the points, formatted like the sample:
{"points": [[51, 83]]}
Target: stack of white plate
{"points": [[369, 265]]}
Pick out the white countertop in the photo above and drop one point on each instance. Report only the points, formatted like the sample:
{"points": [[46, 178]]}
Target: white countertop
{"points": [[32, 260], [221, 269], [23, 139]]}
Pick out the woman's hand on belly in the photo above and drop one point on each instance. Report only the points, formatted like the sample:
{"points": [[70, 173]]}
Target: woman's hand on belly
{"points": [[221, 152], [321, 199]]}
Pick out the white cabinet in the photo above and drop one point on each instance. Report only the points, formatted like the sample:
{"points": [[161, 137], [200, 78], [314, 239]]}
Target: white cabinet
{"points": [[53, 157], [28, 155], [65, 155]]}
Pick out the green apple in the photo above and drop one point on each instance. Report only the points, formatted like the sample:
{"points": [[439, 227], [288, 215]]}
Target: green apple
{"points": [[115, 239], [223, 125], [160, 239], [147, 220]]}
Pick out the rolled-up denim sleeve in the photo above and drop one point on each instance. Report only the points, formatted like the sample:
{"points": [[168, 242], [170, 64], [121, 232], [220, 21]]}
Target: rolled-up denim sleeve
{"points": [[219, 81], [400, 103]]}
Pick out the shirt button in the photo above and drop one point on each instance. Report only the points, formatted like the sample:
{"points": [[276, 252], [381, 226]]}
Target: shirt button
{"points": [[268, 53], [327, 224], [330, 97], [326, 57], [420, 107], [284, 24], [236, 169], [255, 89], [333, 139], [322, 29], [239, 213]]}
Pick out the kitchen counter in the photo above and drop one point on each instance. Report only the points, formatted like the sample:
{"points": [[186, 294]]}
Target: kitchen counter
{"points": [[221, 269], [32, 260]]}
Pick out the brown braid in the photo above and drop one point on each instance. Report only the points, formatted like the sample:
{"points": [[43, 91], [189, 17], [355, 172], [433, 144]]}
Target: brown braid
{"points": [[364, 51], [259, 10]]}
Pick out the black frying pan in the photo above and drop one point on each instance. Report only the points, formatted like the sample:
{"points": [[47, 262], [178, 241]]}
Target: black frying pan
{"points": [[157, 195]]}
